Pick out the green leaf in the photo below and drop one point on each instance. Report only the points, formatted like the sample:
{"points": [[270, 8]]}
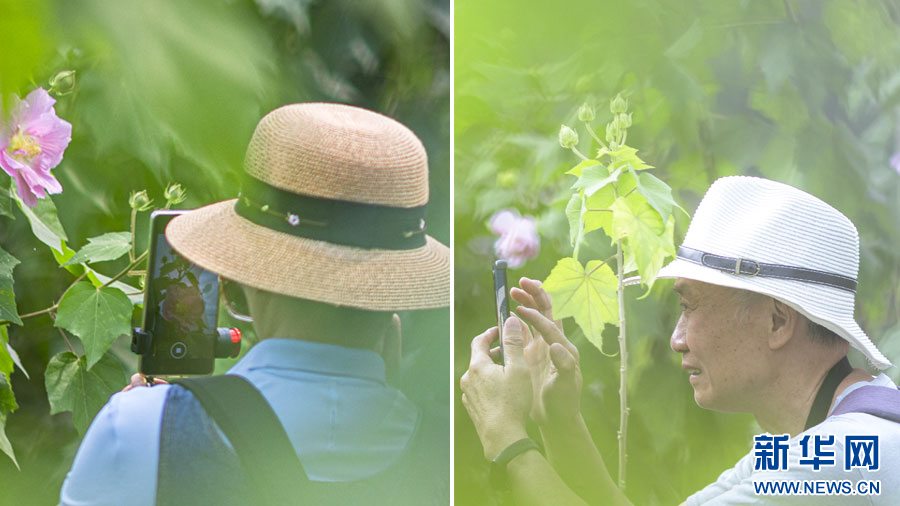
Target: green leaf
{"points": [[109, 246], [645, 234], [588, 296], [5, 446], [6, 360], [97, 316], [72, 387], [577, 170], [8, 310], [595, 178], [658, 193], [7, 406], [573, 214], [626, 157], [44, 222], [597, 213]]}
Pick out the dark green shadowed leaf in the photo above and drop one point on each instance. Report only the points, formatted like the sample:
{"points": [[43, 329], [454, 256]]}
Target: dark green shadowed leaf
{"points": [[97, 316], [8, 309], [7, 406], [101, 248], [72, 387]]}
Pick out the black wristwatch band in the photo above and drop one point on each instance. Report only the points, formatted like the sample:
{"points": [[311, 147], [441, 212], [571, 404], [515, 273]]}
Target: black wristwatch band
{"points": [[499, 463]]}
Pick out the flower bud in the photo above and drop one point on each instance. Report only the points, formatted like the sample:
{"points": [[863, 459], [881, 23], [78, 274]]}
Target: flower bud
{"points": [[140, 201], [175, 194], [610, 133], [567, 137], [618, 105], [624, 120], [63, 82], [586, 113]]}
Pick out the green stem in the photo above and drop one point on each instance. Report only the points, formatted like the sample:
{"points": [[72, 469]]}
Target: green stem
{"points": [[133, 216], [66, 339], [124, 271], [575, 150], [594, 135], [623, 369]]}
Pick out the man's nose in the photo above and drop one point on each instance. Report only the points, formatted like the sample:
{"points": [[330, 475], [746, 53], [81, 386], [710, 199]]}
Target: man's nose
{"points": [[677, 342]]}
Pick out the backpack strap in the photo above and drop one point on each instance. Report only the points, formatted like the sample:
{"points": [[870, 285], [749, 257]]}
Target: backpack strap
{"points": [[882, 402], [257, 436]]}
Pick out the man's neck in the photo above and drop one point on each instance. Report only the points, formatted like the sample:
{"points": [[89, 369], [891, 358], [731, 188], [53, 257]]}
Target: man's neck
{"points": [[787, 413]]}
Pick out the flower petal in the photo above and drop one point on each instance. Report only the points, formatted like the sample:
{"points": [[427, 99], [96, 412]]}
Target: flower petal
{"points": [[35, 104], [502, 220]]}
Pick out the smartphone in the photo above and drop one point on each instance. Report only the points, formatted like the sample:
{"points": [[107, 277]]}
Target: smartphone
{"points": [[501, 299], [181, 305]]}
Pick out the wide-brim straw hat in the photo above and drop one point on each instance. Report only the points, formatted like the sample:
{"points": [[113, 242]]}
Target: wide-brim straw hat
{"points": [[332, 209], [771, 238]]}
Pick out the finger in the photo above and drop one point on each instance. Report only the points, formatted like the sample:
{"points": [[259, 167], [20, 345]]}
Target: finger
{"points": [[513, 342], [546, 327], [495, 354], [537, 292], [564, 362], [481, 347], [522, 297], [157, 381], [138, 380]]}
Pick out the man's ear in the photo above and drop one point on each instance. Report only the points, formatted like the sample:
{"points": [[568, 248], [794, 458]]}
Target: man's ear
{"points": [[784, 322]]}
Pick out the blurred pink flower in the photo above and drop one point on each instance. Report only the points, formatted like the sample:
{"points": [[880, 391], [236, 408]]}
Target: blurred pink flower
{"points": [[518, 241], [895, 162], [32, 144]]}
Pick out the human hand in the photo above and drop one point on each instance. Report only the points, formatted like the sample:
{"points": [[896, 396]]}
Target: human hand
{"points": [[498, 397], [552, 360], [139, 380]]}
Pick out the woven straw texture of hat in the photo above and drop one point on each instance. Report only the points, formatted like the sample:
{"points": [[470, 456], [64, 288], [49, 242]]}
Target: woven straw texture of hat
{"points": [[339, 152], [770, 222], [326, 151]]}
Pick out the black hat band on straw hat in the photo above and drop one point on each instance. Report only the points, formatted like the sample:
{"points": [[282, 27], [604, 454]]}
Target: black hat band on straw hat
{"points": [[356, 224]]}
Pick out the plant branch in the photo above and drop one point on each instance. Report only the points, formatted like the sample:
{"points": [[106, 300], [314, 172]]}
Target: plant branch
{"points": [[131, 252], [54, 306], [623, 369], [594, 135], [601, 264], [589, 210], [125, 271], [61, 331], [575, 150]]}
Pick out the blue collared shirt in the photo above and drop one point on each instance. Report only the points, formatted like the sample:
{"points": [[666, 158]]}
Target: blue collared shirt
{"points": [[344, 421]]}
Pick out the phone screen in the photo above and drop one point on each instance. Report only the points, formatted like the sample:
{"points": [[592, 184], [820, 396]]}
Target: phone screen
{"points": [[180, 309]]}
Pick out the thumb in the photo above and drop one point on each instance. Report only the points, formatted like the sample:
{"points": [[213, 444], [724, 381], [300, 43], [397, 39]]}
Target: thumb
{"points": [[563, 361], [513, 342]]}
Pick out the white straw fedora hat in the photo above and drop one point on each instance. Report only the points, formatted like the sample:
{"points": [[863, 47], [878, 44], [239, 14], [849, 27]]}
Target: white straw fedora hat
{"points": [[771, 238], [332, 208]]}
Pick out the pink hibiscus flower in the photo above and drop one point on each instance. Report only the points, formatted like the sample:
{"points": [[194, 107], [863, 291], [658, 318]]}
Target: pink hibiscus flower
{"points": [[32, 144], [519, 241]]}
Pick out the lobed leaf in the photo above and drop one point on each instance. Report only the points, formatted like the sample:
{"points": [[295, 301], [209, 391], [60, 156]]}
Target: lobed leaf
{"points": [[649, 240], [7, 405], [97, 316], [101, 248], [578, 169], [658, 193], [589, 295], [597, 214], [596, 178], [72, 386], [626, 157]]}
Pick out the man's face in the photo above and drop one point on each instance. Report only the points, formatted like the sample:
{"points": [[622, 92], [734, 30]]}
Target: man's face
{"points": [[722, 344]]}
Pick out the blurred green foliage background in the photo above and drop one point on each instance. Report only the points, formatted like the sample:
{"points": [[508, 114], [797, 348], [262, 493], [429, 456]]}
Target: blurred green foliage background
{"points": [[170, 91], [806, 92]]}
